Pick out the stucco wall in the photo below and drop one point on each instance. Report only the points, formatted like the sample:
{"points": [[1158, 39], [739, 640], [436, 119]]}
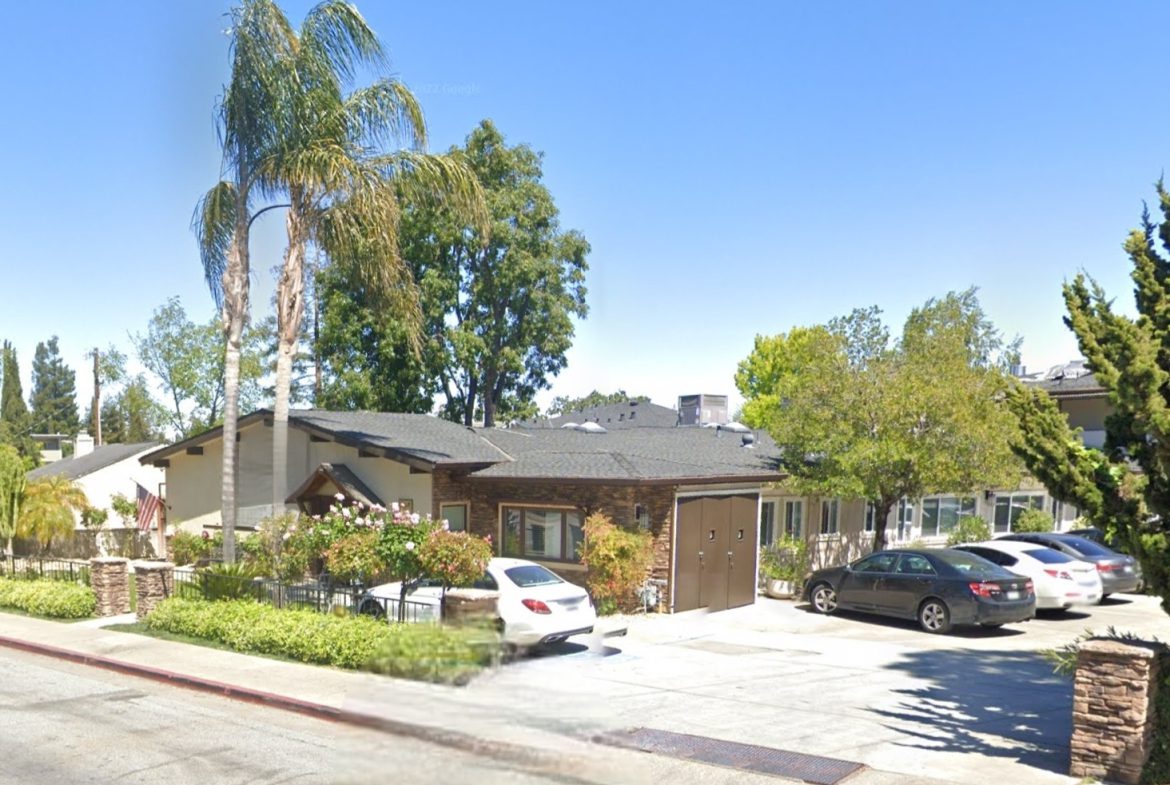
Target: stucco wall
{"points": [[193, 481], [120, 477]]}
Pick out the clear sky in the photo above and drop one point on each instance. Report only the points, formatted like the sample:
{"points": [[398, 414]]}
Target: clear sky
{"points": [[738, 168]]}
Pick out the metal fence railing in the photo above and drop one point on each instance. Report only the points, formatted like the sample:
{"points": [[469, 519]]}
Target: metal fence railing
{"points": [[322, 595], [37, 568]]}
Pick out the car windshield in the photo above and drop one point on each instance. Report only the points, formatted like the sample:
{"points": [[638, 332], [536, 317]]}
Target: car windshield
{"points": [[531, 575], [1049, 556], [1088, 547], [972, 565]]}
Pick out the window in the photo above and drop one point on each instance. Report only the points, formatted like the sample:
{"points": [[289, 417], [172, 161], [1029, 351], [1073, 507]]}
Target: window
{"points": [[793, 519], [642, 516], [915, 564], [767, 523], [905, 523], [534, 533], [1009, 507], [829, 516], [879, 562], [870, 517], [455, 515], [941, 514]]}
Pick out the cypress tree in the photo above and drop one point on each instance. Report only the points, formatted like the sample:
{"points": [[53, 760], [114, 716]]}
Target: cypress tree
{"points": [[15, 423], [54, 392]]}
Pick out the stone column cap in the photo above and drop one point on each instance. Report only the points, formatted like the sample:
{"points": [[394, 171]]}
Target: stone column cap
{"points": [[153, 565], [1123, 649], [109, 560]]}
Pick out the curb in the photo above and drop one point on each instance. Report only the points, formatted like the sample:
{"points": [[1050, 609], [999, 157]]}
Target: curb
{"points": [[532, 757]]}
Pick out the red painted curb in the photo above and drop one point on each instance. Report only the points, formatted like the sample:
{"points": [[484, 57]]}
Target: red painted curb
{"points": [[466, 742]]}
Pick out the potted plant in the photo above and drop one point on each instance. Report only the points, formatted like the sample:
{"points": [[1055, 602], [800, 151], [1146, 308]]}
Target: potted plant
{"points": [[783, 567]]}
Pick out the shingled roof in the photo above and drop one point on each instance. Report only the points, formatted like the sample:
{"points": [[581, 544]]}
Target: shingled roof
{"points": [[627, 414], [79, 466], [1085, 385]]}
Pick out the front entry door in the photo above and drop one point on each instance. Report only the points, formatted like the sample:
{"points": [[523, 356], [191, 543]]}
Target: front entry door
{"points": [[715, 557]]}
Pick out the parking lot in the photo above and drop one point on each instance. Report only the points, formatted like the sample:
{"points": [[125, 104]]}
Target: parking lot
{"points": [[971, 707]]}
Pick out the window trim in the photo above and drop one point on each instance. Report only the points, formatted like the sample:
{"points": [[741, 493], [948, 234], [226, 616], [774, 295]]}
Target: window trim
{"points": [[539, 558], [1011, 496], [465, 504], [799, 533], [773, 505], [937, 499], [833, 506]]}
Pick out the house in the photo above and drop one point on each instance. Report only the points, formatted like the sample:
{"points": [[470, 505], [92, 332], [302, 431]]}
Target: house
{"points": [[104, 472], [54, 445], [695, 489]]}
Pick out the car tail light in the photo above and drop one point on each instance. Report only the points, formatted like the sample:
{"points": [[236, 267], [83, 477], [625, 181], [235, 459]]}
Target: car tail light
{"points": [[1061, 574], [536, 606], [1030, 587], [983, 589], [1106, 567]]}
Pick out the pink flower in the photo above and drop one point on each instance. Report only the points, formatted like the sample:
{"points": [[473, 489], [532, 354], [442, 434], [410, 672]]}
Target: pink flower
{"points": [[393, 506], [446, 525], [339, 496], [409, 546], [415, 518], [347, 513], [360, 521]]}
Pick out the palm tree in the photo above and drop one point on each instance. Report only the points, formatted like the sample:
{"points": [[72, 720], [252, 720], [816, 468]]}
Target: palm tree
{"points": [[48, 510], [343, 192], [262, 45]]}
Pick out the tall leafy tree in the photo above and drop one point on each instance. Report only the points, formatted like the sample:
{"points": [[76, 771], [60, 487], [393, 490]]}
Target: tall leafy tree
{"points": [[15, 421], [1125, 487], [499, 304], [12, 484], [132, 415], [858, 416], [187, 360], [366, 354], [262, 45], [54, 391]]}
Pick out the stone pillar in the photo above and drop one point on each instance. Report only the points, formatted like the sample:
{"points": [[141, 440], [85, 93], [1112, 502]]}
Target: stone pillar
{"points": [[156, 582], [1114, 692], [463, 606], [110, 580]]}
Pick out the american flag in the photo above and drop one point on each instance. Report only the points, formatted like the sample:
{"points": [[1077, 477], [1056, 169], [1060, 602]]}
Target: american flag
{"points": [[148, 505]]}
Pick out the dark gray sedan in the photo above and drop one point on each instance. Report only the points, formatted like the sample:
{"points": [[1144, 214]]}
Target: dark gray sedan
{"points": [[1119, 573], [938, 587]]}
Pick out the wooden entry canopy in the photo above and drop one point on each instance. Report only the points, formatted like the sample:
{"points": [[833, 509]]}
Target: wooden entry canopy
{"points": [[316, 493]]}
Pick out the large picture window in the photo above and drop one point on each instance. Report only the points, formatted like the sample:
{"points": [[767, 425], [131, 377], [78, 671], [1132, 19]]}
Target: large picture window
{"points": [[1009, 507], [455, 514], [940, 515], [544, 534]]}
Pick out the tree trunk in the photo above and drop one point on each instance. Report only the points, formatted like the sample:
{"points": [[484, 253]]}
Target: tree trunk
{"points": [[489, 400], [881, 517], [289, 312], [469, 401], [235, 315]]}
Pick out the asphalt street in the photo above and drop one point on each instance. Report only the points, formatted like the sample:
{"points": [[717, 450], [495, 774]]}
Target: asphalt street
{"points": [[62, 724]]}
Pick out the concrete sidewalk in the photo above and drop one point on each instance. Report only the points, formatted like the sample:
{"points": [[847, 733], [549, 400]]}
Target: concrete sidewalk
{"points": [[915, 709]]}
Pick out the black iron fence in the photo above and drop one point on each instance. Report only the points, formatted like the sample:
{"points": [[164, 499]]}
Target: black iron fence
{"points": [[322, 595], [36, 568]]}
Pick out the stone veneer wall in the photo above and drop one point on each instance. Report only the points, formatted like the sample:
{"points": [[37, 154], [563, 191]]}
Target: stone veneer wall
{"points": [[110, 580], [616, 501], [155, 582], [1113, 708]]}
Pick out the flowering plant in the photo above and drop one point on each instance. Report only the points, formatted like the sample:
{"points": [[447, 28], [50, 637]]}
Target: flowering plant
{"points": [[354, 557], [455, 558]]}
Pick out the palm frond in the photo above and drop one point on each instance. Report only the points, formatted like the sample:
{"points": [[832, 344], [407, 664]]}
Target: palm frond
{"points": [[440, 180], [214, 224], [334, 35], [387, 114]]}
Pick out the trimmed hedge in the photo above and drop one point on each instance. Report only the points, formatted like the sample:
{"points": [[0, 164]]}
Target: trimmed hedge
{"points": [[414, 651], [55, 599]]}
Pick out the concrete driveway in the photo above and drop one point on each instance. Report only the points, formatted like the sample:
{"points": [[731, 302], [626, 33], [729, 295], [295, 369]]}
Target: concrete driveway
{"points": [[973, 707]]}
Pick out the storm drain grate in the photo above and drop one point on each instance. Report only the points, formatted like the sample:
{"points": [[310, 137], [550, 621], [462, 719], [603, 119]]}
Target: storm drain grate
{"points": [[748, 757]]}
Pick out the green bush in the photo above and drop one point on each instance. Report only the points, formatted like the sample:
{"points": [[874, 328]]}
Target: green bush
{"points": [[354, 557], [785, 560], [55, 599], [416, 651], [617, 561], [227, 581], [189, 548], [429, 652], [969, 528], [1033, 521]]}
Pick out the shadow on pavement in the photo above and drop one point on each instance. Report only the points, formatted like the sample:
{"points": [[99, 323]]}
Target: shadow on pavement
{"points": [[1116, 599], [1004, 704], [964, 631]]}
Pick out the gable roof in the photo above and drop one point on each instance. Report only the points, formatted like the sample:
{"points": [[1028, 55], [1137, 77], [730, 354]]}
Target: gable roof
{"points": [[1083, 386], [627, 414], [342, 478], [76, 467], [633, 455], [418, 440]]}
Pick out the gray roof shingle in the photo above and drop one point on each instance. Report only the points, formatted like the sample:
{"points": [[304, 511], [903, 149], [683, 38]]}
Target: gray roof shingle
{"points": [[1085, 384], [79, 466], [627, 414]]}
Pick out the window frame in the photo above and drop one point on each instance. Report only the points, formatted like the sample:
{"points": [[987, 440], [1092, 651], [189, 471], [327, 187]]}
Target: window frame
{"points": [[767, 522], [523, 509], [1010, 499], [794, 532], [967, 506], [830, 517], [466, 505]]}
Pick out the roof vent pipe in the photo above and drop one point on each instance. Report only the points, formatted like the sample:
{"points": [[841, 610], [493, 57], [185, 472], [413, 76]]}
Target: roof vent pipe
{"points": [[749, 440]]}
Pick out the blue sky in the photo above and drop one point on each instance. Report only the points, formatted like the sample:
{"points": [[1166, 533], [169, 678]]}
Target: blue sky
{"points": [[738, 168]]}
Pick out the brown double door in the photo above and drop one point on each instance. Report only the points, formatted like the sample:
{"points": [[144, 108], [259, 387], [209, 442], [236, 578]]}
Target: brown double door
{"points": [[715, 552]]}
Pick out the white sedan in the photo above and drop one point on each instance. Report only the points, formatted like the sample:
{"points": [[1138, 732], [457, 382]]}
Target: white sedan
{"points": [[1060, 580], [535, 605]]}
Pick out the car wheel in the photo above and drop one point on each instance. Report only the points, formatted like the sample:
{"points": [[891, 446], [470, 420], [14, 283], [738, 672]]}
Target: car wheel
{"points": [[824, 598], [1103, 596], [934, 617], [372, 608]]}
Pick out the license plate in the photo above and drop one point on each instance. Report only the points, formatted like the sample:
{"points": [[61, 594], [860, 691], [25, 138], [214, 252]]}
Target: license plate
{"points": [[1013, 595], [1127, 568]]}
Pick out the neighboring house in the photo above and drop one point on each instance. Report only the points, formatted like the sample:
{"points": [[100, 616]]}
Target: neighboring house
{"points": [[53, 445], [840, 530], [104, 472], [695, 489]]}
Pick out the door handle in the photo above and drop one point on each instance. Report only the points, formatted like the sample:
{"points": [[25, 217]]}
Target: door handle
{"points": [[730, 559]]}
